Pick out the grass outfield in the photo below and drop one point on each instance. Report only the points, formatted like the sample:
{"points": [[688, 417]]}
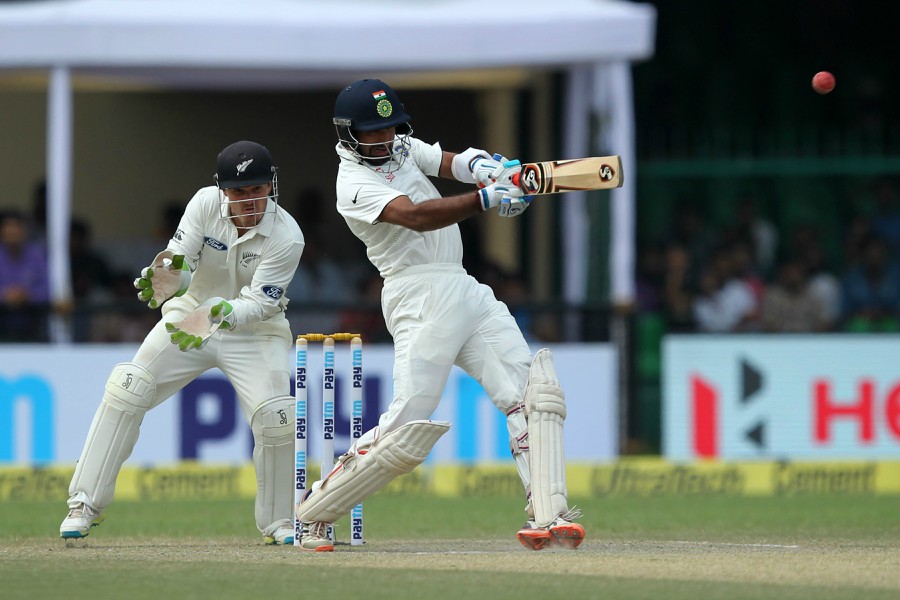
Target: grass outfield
{"points": [[674, 547]]}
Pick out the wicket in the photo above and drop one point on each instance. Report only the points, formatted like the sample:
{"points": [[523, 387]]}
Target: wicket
{"points": [[328, 414]]}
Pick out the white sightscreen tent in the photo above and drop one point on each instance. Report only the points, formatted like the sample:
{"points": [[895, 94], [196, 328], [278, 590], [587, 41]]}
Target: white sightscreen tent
{"points": [[233, 44]]}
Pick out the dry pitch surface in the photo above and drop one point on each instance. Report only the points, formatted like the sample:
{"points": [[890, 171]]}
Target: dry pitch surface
{"points": [[847, 566]]}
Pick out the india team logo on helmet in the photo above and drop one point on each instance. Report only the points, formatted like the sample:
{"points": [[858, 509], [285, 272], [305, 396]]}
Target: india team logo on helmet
{"points": [[384, 108]]}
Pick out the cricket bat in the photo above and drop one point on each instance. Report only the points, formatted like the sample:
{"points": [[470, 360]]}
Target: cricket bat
{"points": [[577, 174]]}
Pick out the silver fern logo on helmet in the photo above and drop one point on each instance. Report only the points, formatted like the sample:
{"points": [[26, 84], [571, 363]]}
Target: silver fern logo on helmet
{"points": [[243, 166]]}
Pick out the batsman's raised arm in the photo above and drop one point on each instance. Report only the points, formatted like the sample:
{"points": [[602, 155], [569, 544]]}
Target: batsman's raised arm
{"points": [[438, 213]]}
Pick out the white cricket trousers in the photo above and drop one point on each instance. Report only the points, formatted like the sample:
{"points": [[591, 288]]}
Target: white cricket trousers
{"points": [[257, 365], [440, 316]]}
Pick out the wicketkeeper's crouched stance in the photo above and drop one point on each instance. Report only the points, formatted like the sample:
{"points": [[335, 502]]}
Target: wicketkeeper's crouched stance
{"points": [[438, 316], [240, 245]]}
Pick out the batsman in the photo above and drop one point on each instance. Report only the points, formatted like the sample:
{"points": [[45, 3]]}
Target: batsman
{"points": [[220, 283], [438, 316]]}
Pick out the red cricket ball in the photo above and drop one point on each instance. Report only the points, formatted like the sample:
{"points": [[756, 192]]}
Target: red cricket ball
{"points": [[823, 82]]}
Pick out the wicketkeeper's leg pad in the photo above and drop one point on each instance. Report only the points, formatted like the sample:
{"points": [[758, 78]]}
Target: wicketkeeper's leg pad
{"points": [[363, 471], [129, 393], [545, 407], [272, 424]]}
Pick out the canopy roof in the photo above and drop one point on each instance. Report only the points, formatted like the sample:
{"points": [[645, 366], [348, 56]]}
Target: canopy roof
{"points": [[307, 43], [232, 44]]}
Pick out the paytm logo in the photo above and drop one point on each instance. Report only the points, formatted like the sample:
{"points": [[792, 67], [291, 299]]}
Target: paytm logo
{"points": [[210, 414], [34, 392]]}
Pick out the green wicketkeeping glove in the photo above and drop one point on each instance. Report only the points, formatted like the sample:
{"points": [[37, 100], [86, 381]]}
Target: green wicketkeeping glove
{"points": [[197, 327], [168, 276]]}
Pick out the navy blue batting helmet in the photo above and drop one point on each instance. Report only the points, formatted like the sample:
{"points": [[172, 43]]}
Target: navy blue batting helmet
{"points": [[369, 105]]}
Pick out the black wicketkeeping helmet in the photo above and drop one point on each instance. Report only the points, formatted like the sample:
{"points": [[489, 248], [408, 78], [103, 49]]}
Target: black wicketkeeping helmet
{"points": [[244, 164]]}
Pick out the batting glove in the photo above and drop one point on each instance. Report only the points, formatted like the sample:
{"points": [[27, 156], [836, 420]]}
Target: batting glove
{"points": [[461, 166], [496, 170], [199, 325], [513, 207], [494, 194], [168, 276]]}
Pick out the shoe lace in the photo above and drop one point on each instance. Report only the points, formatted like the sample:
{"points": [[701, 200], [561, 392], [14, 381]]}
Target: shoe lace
{"points": [[317, 529], [81, 510], [572, 514]]}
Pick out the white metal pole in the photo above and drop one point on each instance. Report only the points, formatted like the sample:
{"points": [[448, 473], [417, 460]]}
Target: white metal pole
{"points": [[59, 197]]}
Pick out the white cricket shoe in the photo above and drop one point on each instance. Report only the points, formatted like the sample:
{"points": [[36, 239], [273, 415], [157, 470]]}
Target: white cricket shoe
{"points": [[282, 534], [79, 521], [314, 537]]}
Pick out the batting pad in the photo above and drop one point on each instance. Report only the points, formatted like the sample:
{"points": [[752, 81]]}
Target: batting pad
{"points": [[545, 407], [130, 392], [357, 475], [518, 445], [272, 424]]}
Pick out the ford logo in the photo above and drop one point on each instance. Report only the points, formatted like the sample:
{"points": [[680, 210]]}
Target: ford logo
{"points": [[214, 243]]}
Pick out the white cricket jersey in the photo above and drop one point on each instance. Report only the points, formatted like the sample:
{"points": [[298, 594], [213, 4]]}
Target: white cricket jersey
{"points": [[251, 272], [363, 192]]}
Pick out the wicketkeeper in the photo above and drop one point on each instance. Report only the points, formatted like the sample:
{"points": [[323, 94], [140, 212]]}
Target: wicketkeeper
{"points": [[438, 316], [220, 282]]}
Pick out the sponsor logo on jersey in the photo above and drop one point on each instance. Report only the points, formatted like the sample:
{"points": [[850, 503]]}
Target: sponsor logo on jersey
{"points": [[214, 243], [179, 235], [272, 291], [248, 257], [243, 166]]}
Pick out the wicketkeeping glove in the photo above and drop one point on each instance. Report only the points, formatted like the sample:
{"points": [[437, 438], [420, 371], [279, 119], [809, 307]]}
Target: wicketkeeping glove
{"points": [[201, 323], [166, 277]]}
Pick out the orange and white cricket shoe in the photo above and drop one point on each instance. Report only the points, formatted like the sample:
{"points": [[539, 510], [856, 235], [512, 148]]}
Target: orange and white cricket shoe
{"points": [[314, 537], [565, 533], [562, 532], [534, 537]]}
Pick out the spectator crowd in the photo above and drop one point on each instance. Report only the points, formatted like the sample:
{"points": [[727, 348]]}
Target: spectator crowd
{"points": [[745, 276]]}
